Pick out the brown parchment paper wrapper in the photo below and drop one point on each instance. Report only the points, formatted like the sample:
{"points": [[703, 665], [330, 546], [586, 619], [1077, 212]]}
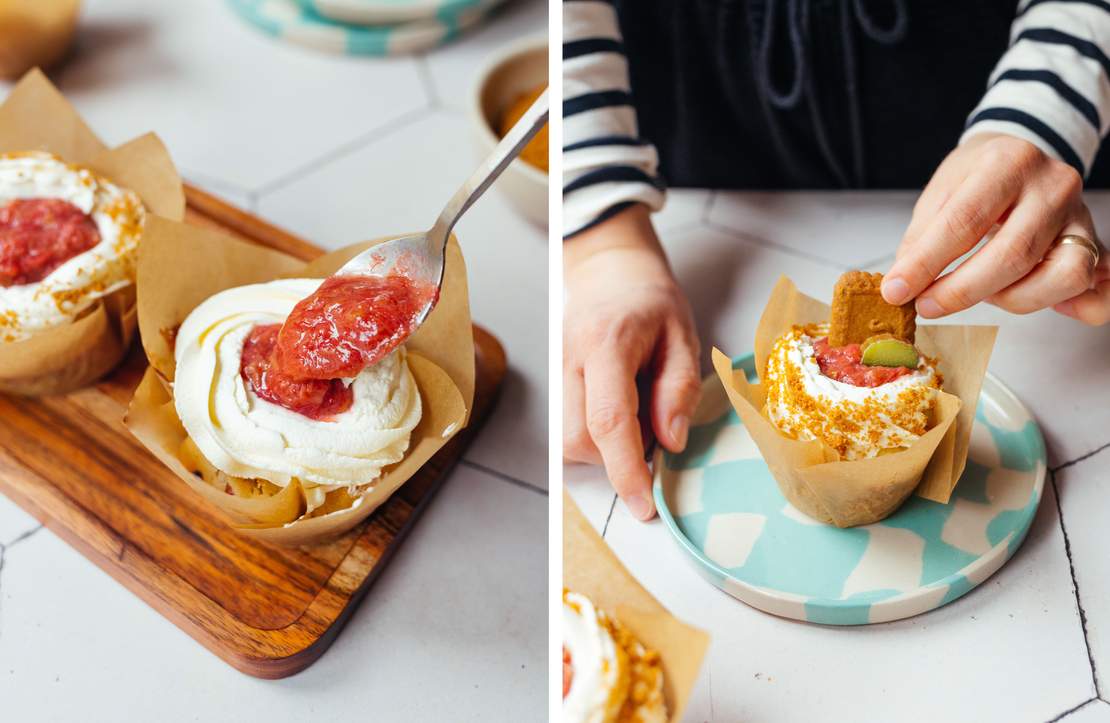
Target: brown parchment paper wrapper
{"points": [[591, 568], [35, 117], [181, 265], [848, 493]]}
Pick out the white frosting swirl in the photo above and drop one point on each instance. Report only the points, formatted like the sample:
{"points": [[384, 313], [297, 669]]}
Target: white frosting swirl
{"points": [[593, 655], [69, 289], [863, 421], [246, 436]]}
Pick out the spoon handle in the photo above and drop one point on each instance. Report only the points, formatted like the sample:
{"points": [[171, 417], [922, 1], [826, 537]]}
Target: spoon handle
{"points": [[486, 173]]}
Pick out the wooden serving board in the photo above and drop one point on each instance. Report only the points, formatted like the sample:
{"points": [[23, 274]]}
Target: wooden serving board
{"points": [[268, 611]]}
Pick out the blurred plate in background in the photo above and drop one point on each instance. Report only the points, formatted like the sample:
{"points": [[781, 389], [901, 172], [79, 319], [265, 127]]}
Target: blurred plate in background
{"points": [[382, 12], [289, 20]]}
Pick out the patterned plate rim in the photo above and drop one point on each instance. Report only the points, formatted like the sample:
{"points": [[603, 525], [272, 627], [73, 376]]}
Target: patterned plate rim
{"points": [[771, 600], [410, 36], [369, 13]]}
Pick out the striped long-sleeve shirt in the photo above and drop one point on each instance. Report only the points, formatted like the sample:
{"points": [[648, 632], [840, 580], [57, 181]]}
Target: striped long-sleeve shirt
{"points": [[1051, 88], [606, 165]]}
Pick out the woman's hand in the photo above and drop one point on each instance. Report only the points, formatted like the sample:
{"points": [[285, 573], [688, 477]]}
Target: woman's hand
{"points": [[1034, 199], [625, 314]]}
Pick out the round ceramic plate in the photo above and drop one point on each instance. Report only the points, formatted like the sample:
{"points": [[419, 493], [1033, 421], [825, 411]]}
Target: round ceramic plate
{"points": [[289, 20], [721, 503], [381, 12]]}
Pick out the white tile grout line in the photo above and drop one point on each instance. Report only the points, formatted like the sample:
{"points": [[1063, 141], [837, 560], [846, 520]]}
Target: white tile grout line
{"points": [[1076, 709], [432, 103], [708, 209], [1071, 565], [504, 477], [705, 220], [356, 144], [1075, 588], [872, 262], [18, 539], [217, 185], [424, 71], [758, 241], [612, 506], [682, 228], [1080, 458]]}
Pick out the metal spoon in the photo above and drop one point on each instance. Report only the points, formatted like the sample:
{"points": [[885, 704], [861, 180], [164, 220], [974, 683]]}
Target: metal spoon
{"points": [[421, 256]]}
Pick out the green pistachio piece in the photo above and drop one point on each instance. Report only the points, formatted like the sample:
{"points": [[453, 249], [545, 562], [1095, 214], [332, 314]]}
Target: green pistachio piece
{"points": [[889, 352]]}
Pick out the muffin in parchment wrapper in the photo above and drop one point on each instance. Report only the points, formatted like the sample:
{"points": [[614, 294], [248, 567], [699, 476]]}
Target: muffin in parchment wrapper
{"points": [[811, 475], [590, 568], [179, 267], [35, 117]]}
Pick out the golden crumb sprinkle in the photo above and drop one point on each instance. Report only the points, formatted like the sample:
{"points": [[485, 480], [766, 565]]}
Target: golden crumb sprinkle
{"points": [[637, 694]]}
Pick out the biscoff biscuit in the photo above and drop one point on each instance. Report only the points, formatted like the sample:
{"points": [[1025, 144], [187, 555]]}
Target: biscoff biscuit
{"points": [[859, 311]]}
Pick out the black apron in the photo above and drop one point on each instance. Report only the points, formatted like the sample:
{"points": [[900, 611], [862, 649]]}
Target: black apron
{"points": [[811, 94]]}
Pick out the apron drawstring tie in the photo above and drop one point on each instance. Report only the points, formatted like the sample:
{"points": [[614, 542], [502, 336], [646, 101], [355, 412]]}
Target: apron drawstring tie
{"points": [[796, 16]]}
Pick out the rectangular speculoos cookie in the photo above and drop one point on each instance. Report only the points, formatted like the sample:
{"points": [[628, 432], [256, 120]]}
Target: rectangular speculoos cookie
{"points": [[859, 311]]}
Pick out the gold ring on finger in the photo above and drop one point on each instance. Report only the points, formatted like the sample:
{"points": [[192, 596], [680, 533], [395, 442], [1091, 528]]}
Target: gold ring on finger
{"points": [[1083, 242]]}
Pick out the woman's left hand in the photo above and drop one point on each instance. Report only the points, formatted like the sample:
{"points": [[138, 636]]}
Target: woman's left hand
{"points": [[1034, 199]]}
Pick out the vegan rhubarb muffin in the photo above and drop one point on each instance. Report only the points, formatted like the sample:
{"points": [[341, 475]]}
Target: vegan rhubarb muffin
{"points": [[862, 400], [68, 237], [608, 675], [287, 384]]}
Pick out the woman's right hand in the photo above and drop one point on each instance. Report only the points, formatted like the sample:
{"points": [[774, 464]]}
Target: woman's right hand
{"points": [[624, 314]]}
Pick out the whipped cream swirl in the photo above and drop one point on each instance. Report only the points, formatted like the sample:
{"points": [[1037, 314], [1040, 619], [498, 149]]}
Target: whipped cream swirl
{"points": [[65, 292], [594, 658], [246, 436]]}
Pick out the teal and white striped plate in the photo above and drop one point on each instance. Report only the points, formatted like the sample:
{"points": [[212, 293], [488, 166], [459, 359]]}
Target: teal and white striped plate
{"points": [[289, 20], [383, 12], [724, 508]]}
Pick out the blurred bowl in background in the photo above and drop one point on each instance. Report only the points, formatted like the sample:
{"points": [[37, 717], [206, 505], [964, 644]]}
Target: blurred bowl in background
{"points": [[510, 76], [35, 33]]}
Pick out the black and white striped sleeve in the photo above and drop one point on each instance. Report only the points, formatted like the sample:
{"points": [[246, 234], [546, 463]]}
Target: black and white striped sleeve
{"points": [[1052, 87], [606, 165]]}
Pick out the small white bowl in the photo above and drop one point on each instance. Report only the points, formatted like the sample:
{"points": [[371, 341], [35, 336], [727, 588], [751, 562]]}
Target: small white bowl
{"points": [[511, 73]]}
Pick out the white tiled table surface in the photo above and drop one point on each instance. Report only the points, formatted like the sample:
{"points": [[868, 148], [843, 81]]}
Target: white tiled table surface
{"points": [[1033, 642], [337, 150]]}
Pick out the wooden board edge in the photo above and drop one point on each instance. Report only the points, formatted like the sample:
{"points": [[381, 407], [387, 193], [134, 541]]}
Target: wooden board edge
{"points": [[249, 225]]}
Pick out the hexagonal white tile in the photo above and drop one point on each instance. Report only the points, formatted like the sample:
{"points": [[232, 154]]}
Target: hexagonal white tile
{"points": [[78, 646], [229, 101], [849, 228]]}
